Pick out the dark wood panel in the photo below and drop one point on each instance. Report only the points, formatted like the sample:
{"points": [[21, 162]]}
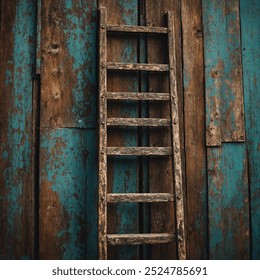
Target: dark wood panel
{"points": [[194, 114]]}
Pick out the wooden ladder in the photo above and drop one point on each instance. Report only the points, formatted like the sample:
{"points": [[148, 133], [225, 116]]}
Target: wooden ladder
{"points": [[174, 151]]}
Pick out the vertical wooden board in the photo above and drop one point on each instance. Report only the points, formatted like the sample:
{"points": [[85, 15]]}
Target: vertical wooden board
{"points": [[68, 66], [228, 202], [250, 28], [68, 186], [18, 19], [161, 170], [122, 172], [223, 70], [194, 114]]}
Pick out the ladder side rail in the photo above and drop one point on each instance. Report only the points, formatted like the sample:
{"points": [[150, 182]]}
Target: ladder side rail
{"points": [[176, 145], [102, 213]]}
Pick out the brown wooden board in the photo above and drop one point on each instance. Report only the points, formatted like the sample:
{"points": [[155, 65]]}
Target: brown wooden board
{"points": [[194, 114], [17, 57], [161, 171]]}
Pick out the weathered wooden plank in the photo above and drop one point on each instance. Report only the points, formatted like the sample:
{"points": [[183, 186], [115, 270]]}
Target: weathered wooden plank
{"points": [[224, 92], [138, 96], [161, 171], [176, 141], [102, 215], [137, 66], [250, 28], [122, 172], [194, 114], [139, 197], [228, 202], [135, 29], [139, 151], [68, 194], [138, 122], [68, 66], [145, 238], [17, 57]]}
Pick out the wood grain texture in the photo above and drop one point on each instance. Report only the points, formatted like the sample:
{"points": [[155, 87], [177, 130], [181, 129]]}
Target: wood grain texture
{"points": [[122, 171], [223, 69], [135, 29], [228, 202], [140, 151], [145, 238], [68, 52], [138, 96], [68, 194], [153, 122], [137, 66], [139, 197], [17, 56], [161, 171], [102, 158], [194, 114], [250, 28]]}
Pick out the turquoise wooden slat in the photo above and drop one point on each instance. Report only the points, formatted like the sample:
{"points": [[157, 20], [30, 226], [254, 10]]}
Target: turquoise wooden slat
{"points": [[18, 20], [250, 28], [223, 71], [228, 202], [68, 216]]}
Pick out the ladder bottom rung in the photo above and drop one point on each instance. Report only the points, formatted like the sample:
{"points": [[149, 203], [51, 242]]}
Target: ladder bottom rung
{"points": [[139, 197], [141, 238]]}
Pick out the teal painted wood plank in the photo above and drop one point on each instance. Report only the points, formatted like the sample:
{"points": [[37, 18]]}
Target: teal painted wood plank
{"points": [[223, 70], [68, 194], [123, 172], [250, 28], [18, 20], [68, 63], [228, 202]]}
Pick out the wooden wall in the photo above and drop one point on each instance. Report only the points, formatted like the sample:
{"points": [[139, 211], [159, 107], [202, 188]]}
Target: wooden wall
{"points": [[48, 128]]}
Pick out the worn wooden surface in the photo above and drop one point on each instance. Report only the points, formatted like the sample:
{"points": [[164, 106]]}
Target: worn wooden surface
{"points": [[250, 28], [138, 122], [102, 157], [140, 151], [140, 197], [17, 55], [122, 171], [137, 96], [137, 66], [161, 171], [194, 116], [68, 187], [132, 28], [144, 238], [224, 91], [68, 66]]}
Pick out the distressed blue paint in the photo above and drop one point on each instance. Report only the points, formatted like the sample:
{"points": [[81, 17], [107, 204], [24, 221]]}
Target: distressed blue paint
{"points": [[70, 168], [223, 69], [80, 33], [228, 202], [250, 28], [17, 146]]}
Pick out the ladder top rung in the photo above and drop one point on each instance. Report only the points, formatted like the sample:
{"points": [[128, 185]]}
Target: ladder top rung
{"points": [[137, 66], [155, 122], [141, 238], [136, 29], [139, 197], [139, 151], [138, 96]]}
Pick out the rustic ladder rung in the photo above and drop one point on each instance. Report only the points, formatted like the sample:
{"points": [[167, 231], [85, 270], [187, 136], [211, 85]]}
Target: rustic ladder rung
{"points": [[139, 151], [141, 238], [137, 66], [139, 197], [136, 29], [138, 122], [137, 96]]}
